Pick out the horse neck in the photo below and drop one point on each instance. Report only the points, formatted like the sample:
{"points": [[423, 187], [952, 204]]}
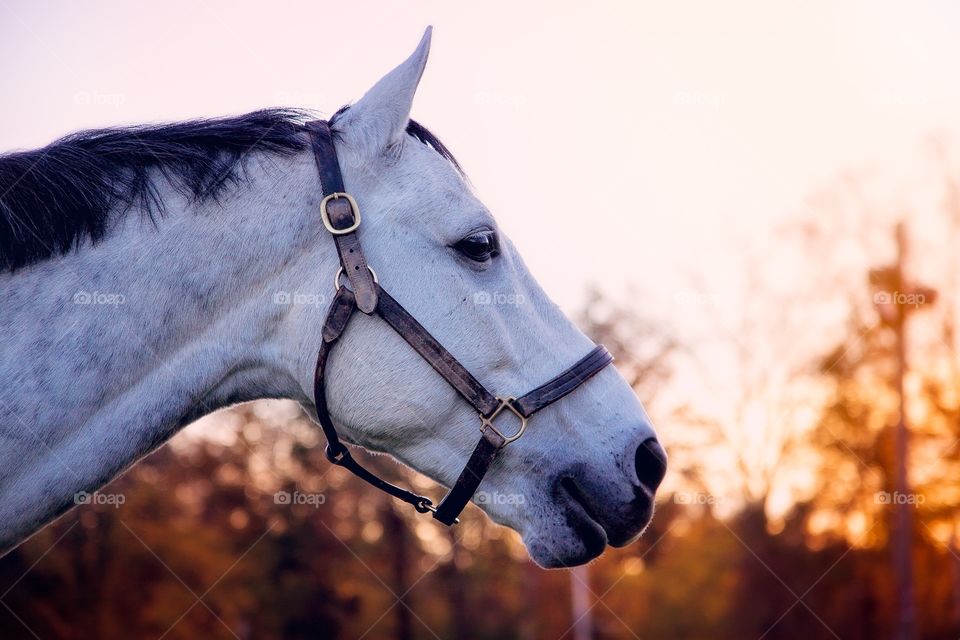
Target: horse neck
{"points": [[114, 347]]}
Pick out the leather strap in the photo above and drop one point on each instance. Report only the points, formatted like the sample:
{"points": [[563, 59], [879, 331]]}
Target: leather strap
{"points": [[490, 444], [434, 353], [466, 485], [548, 393], [341, 215], [367, 296], [344, 304]]}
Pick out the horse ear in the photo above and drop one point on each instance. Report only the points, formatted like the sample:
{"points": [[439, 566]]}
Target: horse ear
{"points": [[379, 119]]}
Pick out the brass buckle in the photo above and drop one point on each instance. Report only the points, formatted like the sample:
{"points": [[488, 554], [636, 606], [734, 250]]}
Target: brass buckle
{"points": [[326, 216], [505, 402]]}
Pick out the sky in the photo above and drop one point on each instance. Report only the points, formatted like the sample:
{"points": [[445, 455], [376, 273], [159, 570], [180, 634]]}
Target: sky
{"points": [[676, 129], [682, 133]]}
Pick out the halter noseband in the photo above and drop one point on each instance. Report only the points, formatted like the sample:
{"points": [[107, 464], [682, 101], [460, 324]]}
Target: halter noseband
{"points": [[341, 217]]}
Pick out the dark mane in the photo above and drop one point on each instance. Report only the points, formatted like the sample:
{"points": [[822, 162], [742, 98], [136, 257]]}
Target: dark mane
{"points": [[424, 135], [419, 132], [54, 199]]}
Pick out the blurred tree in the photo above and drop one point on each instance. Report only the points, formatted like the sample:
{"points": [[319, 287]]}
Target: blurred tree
{"points": [[241, 529]]}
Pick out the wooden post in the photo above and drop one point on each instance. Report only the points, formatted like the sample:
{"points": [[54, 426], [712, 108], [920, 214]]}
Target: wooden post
{"points": [[895, 298], [903, 515], [580, 603], [397, 532]]}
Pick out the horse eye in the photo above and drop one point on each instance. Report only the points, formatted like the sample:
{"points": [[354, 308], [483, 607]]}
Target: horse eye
{"points": [[480, 247]]}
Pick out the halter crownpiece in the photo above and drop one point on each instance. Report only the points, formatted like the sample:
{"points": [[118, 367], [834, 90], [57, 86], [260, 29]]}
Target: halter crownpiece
{"points": [[341, 217]]}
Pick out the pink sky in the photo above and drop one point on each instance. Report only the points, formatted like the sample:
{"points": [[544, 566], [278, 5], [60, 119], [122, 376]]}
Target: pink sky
{"points": [[686, 125], [685, 131]]}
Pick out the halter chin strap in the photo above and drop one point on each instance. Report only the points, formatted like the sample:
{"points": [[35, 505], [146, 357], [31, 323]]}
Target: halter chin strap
{"points": [[341, 216]]}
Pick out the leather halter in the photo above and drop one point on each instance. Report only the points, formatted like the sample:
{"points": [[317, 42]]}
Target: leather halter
{"points": [[341, 217]]}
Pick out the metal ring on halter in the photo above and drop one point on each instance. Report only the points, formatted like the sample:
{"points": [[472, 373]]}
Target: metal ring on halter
{"points": [[424, 506], [336, 279], [505, 402]]}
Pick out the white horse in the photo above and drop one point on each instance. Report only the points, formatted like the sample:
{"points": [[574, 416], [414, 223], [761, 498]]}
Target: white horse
{"points": [[153, 275]]}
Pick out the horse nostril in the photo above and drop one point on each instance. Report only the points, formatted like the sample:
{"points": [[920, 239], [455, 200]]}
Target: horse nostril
{"points": [[651, 464]]}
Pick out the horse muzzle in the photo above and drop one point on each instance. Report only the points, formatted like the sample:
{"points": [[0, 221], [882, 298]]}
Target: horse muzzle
{"points": [[598, 509]]}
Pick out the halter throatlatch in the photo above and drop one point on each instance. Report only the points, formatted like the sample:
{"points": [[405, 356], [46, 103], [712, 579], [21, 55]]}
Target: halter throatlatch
{"points": [[341, 217]]}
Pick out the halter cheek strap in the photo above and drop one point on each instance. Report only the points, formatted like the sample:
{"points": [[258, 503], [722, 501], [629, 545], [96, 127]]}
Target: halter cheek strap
{"points": [[341, 216]]}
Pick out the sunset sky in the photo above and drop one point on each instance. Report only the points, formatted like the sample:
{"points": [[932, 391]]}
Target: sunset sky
{"points": [[689, 126], [686, 132]]}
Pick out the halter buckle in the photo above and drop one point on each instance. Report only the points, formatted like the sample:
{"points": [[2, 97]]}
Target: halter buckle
{"points": [[325, 215], [504, 402]]}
